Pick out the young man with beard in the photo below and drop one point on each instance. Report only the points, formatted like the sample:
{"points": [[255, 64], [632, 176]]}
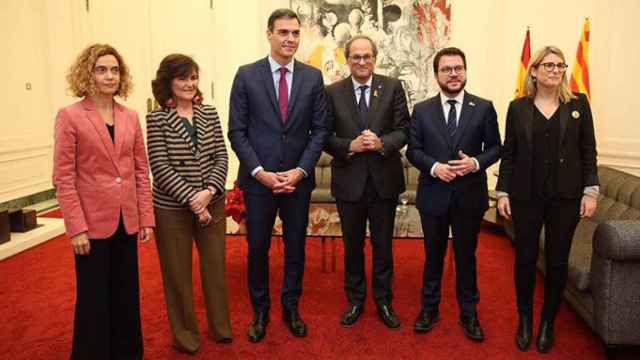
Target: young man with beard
{"points": [[453, 139]]}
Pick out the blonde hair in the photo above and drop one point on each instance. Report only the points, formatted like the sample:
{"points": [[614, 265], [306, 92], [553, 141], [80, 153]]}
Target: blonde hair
{"points": [[80, 75], [530, 88]]}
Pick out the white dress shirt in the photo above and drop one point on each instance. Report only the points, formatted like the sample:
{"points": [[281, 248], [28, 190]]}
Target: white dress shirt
{"points": [[275, 72], [367, 92]]}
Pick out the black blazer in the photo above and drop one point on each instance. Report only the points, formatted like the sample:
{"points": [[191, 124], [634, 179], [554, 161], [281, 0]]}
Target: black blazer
{"points": [[388, 117], [577, 150], [477, 135]]}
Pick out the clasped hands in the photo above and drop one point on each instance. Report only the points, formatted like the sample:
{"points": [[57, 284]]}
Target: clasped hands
{"points": [[366, 141], [198, 204], [454, 168], [282, 182]]}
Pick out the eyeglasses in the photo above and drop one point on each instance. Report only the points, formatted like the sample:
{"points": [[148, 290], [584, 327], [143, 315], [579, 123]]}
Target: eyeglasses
{"points": [[459, 69], [368, 58], [549, 66]]}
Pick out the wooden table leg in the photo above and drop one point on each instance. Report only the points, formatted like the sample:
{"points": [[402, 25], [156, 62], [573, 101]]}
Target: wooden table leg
{"points": [[333, 254], [322, 254]]}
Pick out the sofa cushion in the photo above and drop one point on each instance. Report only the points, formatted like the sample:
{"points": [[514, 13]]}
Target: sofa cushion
{"points": [[322, 195], [411, 176], [619, 200], [322, 192], [410, 195], [580, 257]]}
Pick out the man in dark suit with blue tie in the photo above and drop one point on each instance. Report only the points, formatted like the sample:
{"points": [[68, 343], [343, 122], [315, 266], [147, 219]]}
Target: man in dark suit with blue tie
{"points": [[369, 118], [277, 128], [453, 139]]}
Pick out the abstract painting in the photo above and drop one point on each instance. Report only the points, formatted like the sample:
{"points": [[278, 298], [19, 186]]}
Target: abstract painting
{"points": [[408, 34]]}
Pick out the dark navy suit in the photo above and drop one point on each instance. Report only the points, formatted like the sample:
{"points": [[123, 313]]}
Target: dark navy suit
{"points": [[259, 137], [460, 203]]}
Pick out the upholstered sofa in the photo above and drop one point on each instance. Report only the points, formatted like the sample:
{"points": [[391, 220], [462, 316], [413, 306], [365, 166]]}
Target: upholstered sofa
{"points": [[322, 192], [604, 265]]}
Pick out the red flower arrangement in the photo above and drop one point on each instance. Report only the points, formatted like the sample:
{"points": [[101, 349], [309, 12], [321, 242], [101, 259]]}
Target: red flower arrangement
{"points": [[234, 206]]}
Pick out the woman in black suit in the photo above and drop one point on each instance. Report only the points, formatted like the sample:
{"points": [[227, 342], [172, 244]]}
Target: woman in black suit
{"points": [[548, 176], [189, 164]]}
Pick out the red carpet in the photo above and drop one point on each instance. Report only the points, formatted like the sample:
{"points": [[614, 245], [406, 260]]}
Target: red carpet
{"points": [[37, 300]]}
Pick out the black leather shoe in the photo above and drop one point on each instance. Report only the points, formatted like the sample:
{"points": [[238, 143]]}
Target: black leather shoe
{"points": [[294, 323], [425, 321], [225, 340], [184, 349], [258, 327], [350, 316], [471, 327], [388, 316], [545, 337], [523, 335]]}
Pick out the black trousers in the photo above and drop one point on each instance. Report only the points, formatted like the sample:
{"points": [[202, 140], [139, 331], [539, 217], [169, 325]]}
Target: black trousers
{"points": [[465, 227], [262, 209], [353, 218], [107, 316], [560, 218]]}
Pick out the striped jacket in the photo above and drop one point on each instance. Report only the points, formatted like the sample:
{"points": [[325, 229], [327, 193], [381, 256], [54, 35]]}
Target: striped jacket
{"points": [[179, 168]]}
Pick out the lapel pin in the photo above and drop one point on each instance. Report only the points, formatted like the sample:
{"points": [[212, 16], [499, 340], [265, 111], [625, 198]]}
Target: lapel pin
{"points": [[375, 91], [471, 103], [575, 114]]}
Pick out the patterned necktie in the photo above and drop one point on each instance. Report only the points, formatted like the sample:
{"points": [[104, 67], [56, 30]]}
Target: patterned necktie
{"points": [[283, 94], [362, 105], [451, 119]]}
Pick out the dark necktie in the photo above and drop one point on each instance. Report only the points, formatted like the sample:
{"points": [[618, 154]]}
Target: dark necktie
{"points": [[362, 105], [283, 94], [451, 119]]}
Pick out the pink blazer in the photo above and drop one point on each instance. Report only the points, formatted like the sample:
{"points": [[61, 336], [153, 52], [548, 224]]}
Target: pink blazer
{"points": [[95, 180]]}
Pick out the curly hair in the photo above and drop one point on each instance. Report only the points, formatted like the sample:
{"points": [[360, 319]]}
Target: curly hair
{"points": [[80, 76], [171, 67]]}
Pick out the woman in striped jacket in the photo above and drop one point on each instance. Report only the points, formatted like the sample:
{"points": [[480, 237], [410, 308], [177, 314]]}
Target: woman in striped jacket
{"points": [[188, 161]]}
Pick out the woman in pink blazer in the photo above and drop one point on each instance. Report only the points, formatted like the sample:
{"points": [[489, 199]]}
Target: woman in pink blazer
{"points": [[101, 177]]}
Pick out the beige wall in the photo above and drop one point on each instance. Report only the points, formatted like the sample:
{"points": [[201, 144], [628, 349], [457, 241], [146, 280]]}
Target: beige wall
{"points": [[43, 37], [492, 33], [25, 131]]}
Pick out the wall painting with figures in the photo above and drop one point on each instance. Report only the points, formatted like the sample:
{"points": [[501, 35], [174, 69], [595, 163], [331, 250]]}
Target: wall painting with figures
{"points": [[408, 34]]}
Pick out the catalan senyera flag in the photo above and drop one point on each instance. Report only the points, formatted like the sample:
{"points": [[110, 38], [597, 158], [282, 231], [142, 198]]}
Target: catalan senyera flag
{"points": [[580, 73], [522, 66]]}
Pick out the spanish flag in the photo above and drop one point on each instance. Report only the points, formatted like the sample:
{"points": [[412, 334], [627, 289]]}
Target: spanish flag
{"points": [[522, 67], [580, 74]]}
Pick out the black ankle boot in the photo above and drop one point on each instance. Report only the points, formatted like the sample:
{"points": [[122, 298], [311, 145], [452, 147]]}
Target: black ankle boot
{"points": [[523, 335], [545, 337]]}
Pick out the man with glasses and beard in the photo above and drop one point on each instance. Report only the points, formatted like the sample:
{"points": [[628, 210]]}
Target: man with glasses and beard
{"points": [[453, 139]]}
